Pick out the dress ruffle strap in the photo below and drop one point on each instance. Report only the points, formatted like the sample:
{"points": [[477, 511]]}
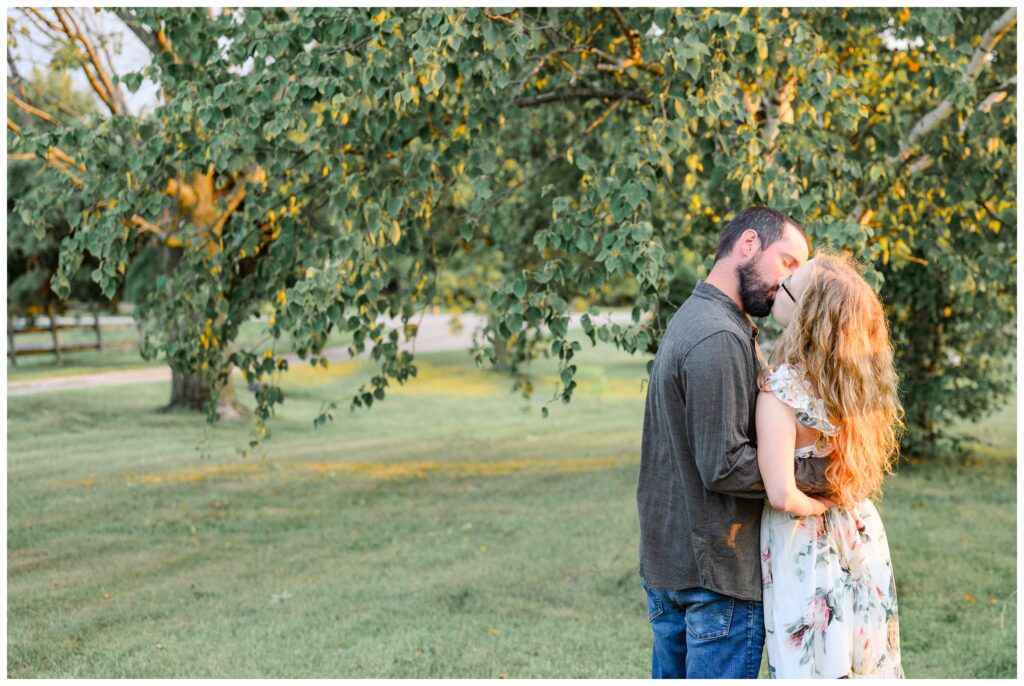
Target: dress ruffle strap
{"points": [[791, 387]]}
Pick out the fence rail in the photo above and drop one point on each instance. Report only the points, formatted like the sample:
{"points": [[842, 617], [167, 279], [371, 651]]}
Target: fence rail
{"points": [[53, 324]]}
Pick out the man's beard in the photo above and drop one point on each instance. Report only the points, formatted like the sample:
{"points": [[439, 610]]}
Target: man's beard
{"points": [[756, 295]]}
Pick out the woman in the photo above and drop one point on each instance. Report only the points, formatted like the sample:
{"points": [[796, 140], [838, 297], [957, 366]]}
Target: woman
{"points": [[830, 393]]}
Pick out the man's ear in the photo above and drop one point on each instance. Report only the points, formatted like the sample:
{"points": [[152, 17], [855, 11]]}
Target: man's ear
{"points": [[749, 242]]}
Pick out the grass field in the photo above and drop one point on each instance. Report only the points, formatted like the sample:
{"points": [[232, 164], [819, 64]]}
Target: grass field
{"points": [[448, 532]]}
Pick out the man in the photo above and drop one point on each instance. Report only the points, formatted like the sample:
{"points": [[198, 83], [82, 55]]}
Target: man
{"points": [[699, 494]]}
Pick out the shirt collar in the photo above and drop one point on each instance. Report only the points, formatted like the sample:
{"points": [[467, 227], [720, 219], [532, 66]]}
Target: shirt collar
{"points": [[705, 290]]}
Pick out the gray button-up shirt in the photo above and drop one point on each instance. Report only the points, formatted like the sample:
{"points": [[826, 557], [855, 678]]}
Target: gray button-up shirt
{"points": [[700, 494]]}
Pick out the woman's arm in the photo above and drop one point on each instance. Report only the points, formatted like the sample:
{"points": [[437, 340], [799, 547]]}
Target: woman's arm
{"points": [[776, 443]]}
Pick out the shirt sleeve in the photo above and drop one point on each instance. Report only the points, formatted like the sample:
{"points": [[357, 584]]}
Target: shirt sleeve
{"points": [[810, 475], [718, 387]]}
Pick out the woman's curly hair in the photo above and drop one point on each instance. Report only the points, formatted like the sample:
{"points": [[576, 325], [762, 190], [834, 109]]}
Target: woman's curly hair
{"points": [[839, 337]]}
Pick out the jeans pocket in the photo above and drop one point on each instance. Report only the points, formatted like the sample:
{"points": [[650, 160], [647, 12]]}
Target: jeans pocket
{"points": [[654, 607], [711, 618]]}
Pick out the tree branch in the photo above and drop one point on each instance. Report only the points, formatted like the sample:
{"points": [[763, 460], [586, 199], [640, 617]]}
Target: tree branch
{"points": [[930, 121], [617, 13], [144, 226], [111, 97], [110, 66], [94, 81], [32, 110], [597, 122], [236, 199], [944, 109], [497, 17], [926, 161], [165, 43], [777, 107], [995, 216], [635, 58], [144, 36], [583, 94], [46, 22], [52, 100]]}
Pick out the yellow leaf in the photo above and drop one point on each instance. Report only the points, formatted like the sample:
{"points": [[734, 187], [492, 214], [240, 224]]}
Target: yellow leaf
{"points": [[568, 155], [120, 267], [326, 170], [396, 232], [679, 109], [344, 118], [282, 297]]}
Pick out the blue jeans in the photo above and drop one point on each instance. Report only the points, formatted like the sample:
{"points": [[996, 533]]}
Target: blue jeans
{"points": [[700, 634]]}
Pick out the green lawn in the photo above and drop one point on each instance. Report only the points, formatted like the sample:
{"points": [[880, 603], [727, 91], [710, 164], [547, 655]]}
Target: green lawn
{"points": [[448, 532]]}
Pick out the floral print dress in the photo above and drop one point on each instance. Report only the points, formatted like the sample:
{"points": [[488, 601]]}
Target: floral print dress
{"points": [[829, 592]]}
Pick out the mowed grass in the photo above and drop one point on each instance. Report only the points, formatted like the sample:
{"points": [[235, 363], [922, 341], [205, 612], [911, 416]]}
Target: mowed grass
{"points": [[448, 532]]}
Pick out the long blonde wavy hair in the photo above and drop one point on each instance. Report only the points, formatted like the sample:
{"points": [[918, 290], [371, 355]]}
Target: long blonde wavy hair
{"points": [[839, 336]]}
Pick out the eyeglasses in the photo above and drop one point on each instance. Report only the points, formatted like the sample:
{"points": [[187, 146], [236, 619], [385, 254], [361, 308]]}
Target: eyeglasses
{"points": [[783, 285]]}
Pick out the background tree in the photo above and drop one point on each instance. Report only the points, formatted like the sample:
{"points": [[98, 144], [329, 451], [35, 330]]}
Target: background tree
{"points": [[32, 257], [356, 155], [75, 42]]}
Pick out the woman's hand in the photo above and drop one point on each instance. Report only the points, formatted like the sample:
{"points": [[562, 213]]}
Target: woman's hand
{"points": [[819, 504]]}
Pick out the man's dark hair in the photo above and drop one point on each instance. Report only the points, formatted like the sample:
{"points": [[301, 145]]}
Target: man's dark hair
{"points": [[767, 222]]}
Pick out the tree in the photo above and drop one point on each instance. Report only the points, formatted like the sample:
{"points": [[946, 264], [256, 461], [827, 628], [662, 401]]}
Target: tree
{"points": [[357, 152], [75, 42]]}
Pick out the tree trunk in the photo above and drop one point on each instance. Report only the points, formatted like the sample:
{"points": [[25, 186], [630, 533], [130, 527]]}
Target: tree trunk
{"points": [[502, 362], [192, 393]]}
